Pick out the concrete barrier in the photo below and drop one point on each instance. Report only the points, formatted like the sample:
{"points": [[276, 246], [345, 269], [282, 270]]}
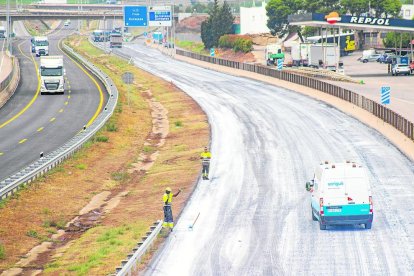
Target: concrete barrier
{"points": [[9, 84]]}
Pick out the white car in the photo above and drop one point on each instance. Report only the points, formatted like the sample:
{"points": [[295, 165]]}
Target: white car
{"points": [[340, 194], [373, 57], [67, 22], [401, 69]]}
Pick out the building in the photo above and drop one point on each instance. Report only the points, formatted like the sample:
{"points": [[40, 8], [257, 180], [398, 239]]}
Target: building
{"points": [[253, 20], [407, 11]]}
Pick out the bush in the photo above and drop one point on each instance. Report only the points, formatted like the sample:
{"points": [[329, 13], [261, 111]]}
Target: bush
{"points": [[102, 138], [111, 127], [2, 252], [32, 234], [239, 43]]}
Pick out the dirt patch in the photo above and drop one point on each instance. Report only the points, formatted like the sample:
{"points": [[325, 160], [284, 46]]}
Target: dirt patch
{"points": [[191, 24], [236, 56]]}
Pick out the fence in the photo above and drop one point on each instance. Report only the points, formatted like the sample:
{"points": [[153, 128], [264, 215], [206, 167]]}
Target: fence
{"points": [[380, 111]]}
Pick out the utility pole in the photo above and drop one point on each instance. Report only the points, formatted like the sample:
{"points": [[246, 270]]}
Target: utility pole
{"points": [[8, 28]]}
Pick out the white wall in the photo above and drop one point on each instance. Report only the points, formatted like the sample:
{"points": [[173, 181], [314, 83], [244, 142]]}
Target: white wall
{"points": [[253, 20], [407, 11]]}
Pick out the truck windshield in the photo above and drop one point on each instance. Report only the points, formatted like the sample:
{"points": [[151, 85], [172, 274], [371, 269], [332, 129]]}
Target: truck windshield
{"points": [[42, 43], [51, 72]]}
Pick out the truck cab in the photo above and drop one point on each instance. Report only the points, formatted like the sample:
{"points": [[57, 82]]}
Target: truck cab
{"points": [[340, 195], [41, 45], [52, 75]]}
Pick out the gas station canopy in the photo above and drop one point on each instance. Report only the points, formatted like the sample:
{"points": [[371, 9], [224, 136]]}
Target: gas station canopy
{"points": [[363, 23]]}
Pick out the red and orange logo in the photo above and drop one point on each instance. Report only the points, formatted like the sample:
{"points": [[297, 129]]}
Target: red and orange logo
{"points": [[333, 17]]}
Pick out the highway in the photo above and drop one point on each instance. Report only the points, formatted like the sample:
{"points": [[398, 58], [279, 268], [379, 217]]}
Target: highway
{"points": [[31, 123], [255, 216]]}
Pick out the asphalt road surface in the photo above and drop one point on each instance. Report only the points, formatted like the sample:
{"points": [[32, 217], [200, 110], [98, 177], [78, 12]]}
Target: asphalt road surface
{"points": [[255, 216], [31, 123]]}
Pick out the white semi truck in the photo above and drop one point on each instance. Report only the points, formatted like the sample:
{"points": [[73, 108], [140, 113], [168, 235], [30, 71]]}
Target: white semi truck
{"points": [[324, 56], [40, 46], [52, 75]]}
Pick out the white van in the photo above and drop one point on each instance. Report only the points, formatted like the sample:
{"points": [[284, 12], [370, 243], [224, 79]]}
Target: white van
{"points": [[340, 194]]}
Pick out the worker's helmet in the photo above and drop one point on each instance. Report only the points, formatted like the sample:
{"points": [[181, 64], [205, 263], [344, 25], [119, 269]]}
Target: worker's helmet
{"points": [[168, 189]]}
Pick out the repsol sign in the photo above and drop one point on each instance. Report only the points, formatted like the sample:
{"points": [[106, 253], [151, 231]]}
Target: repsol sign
{"points": [[370, 20]]}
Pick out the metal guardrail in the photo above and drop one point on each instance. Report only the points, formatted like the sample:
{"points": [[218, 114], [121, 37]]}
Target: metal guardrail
{"points": [[384, 113], [11, 184], [130, 265]]}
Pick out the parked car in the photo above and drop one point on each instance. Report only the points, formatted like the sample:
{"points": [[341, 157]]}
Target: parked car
{"points": [[400, 69], [372, 57]]}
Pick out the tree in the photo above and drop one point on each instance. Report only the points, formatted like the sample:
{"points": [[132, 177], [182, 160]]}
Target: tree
{"points": [[219, 22], [278, 11], [393, 39], [385, 8], [355, 7], [322, 6]]}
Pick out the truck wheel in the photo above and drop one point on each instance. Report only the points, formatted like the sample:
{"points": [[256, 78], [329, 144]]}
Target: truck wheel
{"points": [[368, 225], [313, 216], [365, 61], [322, 226]]}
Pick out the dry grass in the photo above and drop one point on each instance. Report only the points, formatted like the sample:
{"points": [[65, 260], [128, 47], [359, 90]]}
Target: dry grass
{"points": [[58, 197]]}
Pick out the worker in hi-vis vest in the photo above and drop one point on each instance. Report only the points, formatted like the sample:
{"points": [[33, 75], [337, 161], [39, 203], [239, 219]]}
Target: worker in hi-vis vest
{"points": [[205, 157], [168, 217]]}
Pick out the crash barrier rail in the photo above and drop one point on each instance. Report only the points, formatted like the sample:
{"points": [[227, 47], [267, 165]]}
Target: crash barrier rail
{"points": [[8, 86], [384, 113], [129, 265], [45, 163]]}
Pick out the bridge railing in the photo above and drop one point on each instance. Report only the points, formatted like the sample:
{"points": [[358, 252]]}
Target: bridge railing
{"points": [[384, 113], [38, 168]]}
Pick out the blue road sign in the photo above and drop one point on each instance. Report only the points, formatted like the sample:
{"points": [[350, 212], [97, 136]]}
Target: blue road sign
{"points": [[404, 60], [279, 64], [212, 52], [385, 94], [135, 16]]}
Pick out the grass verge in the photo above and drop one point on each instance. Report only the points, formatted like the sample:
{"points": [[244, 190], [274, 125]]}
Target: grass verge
{"points": [[196, 47]]}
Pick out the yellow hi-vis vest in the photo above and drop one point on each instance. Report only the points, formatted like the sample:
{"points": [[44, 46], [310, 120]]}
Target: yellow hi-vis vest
{"points": [[167, 198], [206, 156]]}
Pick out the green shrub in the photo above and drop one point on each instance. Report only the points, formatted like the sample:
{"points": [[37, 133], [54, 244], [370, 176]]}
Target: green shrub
{"points": [[111, 127], [239, 43], [32, 234], [81, 166], [2, 252], [102, 139], [178, 123]]}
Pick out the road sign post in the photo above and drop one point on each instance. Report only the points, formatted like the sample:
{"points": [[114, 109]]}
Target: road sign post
{"points": [[212, 52], [128, 78], [385, 95], [135, 16], [279, 64]]}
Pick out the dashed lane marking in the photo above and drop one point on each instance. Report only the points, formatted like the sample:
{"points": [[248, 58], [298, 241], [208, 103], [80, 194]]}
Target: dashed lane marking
{"points": [[51, 120], [40, 129], [22, 141]]}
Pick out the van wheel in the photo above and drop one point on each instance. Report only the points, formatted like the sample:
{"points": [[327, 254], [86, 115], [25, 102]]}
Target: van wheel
{"points": [[313, 216], [368, 225], [322, 226]]}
